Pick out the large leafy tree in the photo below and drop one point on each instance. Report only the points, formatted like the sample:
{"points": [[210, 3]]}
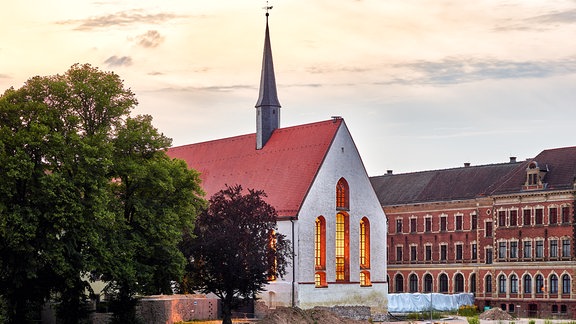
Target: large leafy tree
{"points": [[236, 248], [73, 162]]}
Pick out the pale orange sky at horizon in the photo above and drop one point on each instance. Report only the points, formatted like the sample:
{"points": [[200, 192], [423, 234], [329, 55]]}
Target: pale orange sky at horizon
{"points": [[422, 84]]}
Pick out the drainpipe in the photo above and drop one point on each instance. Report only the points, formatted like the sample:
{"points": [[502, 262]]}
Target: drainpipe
{"points": [[293, 264]]}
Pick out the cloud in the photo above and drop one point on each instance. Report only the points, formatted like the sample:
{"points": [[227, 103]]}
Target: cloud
{"points": [[540, 22], [119, 61], [150, 39], [463, 70], [120, 19], [207, 88]]}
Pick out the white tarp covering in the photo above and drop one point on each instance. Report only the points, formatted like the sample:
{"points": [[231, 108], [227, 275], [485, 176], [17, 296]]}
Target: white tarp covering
{"points": [[406, 303]]}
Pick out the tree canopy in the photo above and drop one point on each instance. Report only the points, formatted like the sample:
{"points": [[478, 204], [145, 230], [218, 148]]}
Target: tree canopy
{"points": [[87, 192], [236, 249]]}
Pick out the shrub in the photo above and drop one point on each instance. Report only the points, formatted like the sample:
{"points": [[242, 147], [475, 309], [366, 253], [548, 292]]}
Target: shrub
{"points": [[473, 320], [468, 310], [532, 321]]}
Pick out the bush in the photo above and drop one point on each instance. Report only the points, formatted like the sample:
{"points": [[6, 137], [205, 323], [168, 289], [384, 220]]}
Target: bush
{"points": [[468, 310], [473, 320], [532, 321]]}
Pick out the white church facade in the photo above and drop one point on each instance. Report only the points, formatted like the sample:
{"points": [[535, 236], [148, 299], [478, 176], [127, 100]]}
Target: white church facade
{"points": [[315, 178]]}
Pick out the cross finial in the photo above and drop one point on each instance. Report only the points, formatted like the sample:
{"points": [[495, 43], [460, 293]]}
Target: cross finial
{"points": [[267, 8]]}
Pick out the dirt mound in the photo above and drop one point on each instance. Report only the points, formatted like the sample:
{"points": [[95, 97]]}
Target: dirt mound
{"points": [[289, 315], [495, 314]]}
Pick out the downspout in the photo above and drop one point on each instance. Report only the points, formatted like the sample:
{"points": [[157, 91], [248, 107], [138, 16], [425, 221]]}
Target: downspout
{"points": [[293, 264]]}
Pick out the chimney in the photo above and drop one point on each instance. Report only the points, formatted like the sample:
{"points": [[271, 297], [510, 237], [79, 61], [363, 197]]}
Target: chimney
{"points": [[512, 159], [389, 172], [466, 164]]}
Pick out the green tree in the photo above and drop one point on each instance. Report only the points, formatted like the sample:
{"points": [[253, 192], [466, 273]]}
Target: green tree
{"points": [[65, 145], [236, 249]]}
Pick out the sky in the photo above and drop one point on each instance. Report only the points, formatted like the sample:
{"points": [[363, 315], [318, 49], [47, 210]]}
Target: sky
{"points": [[421, 84]]}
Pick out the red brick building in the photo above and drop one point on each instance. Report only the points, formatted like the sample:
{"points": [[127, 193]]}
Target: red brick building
{"points": [[504, 232]]}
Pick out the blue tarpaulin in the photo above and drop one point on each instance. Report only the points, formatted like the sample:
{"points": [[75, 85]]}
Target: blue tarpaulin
{"points": [[406, 303]]}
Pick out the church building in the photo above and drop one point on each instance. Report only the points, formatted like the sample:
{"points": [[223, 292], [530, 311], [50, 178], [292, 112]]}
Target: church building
{"points": [[313, 175]]}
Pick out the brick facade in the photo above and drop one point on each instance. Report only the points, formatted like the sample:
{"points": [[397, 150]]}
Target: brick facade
{"points": [[509, 239]]}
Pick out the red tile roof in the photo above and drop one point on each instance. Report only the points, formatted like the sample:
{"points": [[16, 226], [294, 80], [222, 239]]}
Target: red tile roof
{"points": [[284, 168]]}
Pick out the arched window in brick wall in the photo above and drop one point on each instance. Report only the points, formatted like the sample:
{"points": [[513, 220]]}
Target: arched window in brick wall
{"points": [[513, 284], [502, 284], [553, 287], [428, 286], [566, 284], [473, 283], [413, 283], [488, 284], [539, 280], [443, 280], [399, 283], [527, 283], [458, 283]]}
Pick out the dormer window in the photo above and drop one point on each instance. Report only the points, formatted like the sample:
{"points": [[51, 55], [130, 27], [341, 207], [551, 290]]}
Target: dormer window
{"points": [[534, 177]]}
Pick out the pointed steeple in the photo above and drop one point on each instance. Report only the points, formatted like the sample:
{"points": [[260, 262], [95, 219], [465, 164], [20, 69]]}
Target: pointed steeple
{"points": [[268, 106]]}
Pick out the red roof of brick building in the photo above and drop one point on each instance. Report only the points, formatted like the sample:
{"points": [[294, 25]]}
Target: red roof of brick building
{"points": [[284, 168]]}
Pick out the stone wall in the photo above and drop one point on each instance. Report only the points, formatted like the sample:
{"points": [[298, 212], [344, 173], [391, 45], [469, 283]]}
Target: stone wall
{"points": [[174, 308]]}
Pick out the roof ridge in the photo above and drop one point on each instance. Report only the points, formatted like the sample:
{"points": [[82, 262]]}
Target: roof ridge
{"points": [[449, 169]]}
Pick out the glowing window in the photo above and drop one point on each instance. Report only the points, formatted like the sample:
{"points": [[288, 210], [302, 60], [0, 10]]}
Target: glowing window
{"points": [[365, 278], [320, 279], [320, 244], [364, 243], [342, 195], [342, 248]]}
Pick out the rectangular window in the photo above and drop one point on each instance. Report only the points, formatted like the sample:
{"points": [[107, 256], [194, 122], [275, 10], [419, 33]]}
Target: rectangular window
{"points": [[502, 218], [443, 252], [398, 226], [428, 224], [443, 224], [474, 251], [527, 219], [428, 252], [458, 251], [527, 249], [501, 250], [553, 215], [539, 249], [399, 253], [412, 225], [553, 248], [565, 248], [513, 249], [413, 254], [474, 221], [488, 256], [539, 216], [565, 214], [458, 222], [513, 218], [488, 229]]}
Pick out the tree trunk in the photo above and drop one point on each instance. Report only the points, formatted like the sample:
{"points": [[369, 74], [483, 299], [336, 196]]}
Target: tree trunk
{"points": [[226, 312]]}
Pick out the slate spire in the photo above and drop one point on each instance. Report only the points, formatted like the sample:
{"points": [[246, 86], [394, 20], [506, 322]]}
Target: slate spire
{"points": [[267, 106]]}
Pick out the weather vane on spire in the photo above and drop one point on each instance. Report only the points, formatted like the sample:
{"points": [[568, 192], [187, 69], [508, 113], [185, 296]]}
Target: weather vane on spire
{"points": [[268, 8]]}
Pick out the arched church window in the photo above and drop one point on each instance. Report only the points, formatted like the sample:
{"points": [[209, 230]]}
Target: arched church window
{"points": [[342, 195], [364, 243], [342, 247]]}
